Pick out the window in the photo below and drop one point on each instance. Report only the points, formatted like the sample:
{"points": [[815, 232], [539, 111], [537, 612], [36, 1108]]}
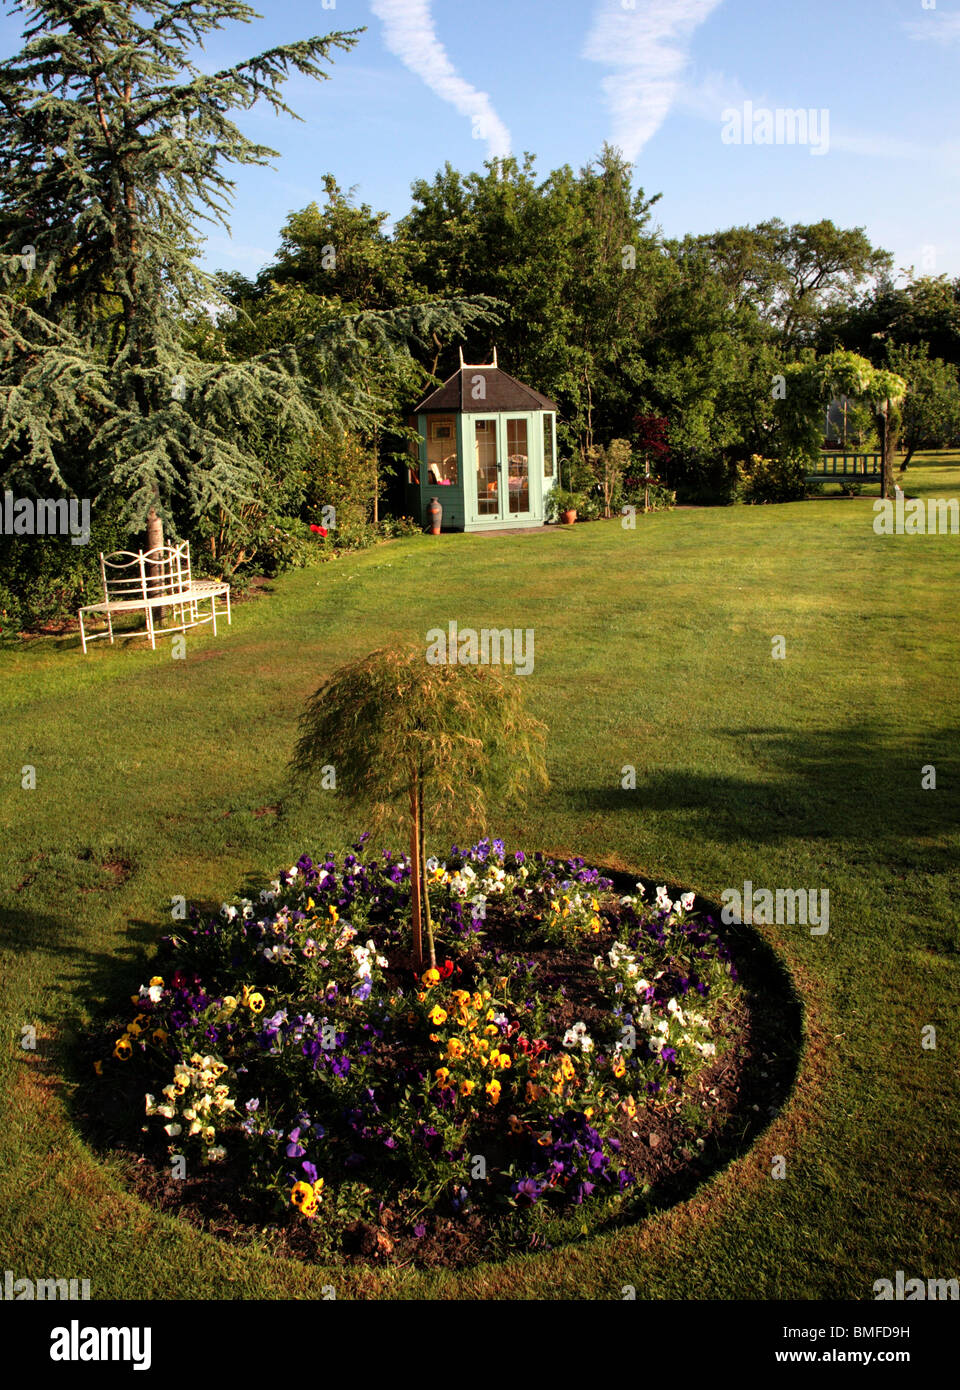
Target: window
{"points": [[548, 446], [519, 465], [441, 449]]}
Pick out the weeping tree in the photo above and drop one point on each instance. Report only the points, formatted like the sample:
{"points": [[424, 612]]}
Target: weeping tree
{"points": [[114, 144], [811, 383], [411, 741]]}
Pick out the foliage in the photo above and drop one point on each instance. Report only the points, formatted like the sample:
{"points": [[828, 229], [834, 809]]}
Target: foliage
{"points": [[574, 260], [812, 382], [561, 500], [931, 407], [45, 579], [608, 465], [770, 480], [637, 493], [409, 736], [97, 386], [795, 274]]}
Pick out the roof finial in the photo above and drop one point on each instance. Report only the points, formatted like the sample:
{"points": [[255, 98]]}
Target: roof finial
{"points": [[494, 356], [460, 350]]}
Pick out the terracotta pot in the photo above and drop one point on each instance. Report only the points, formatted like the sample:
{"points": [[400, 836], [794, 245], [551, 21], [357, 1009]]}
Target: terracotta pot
{"points": [[570, 516], [435, 513]]}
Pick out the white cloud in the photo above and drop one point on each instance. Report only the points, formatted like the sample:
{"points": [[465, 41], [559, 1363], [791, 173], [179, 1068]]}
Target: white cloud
{"points": [[253, 256], [647, 45], [709, 96], [409, 33], [937, 26], [944, 153]]}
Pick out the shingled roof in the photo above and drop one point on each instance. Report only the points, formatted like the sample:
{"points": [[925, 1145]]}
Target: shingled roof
{"points": [[502, 392]]}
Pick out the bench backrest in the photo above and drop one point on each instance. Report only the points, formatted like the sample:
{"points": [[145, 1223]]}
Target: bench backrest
{"points": [[157, 573]]}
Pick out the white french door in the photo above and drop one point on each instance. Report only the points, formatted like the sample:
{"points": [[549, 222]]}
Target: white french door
{"points": [[501, 449]]}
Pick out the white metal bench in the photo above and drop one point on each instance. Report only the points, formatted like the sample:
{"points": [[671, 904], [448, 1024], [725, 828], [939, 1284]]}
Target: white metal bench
{"points": [[150, 580]]}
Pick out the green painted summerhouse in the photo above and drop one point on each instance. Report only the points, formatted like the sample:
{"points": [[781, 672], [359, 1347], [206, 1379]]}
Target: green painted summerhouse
{"points": [[487, 451]]}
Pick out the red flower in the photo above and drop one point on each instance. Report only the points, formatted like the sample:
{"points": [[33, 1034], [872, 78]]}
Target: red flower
{"points": [[446, 969], [320, 530]]}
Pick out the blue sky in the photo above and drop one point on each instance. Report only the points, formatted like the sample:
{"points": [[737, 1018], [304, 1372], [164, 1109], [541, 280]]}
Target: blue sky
{"points": [[458, 80]]}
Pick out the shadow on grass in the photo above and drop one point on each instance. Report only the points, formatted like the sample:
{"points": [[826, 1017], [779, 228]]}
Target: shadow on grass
{"points": [[844, 784], [102, 981]]}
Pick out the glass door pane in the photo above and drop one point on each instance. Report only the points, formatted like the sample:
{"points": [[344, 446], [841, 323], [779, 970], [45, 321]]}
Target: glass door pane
{"points": [[488, 481], [518, 467]]}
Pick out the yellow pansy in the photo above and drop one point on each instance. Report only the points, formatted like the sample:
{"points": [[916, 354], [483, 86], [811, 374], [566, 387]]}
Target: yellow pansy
{"points": [[467, 1088], [123, 1049], [431, 977], [492, 1089], [255, 1003], [442, 1074], [437, 1015]]}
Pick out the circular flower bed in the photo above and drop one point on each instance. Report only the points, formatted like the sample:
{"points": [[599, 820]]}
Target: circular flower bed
{"points": [[294, 1068]]}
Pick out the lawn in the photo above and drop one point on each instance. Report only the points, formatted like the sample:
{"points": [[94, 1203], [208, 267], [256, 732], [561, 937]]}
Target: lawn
{"points": [[157, 777]]}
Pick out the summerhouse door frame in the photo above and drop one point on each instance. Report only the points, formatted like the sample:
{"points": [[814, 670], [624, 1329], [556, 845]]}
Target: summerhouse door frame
{"points": [[498, 498]]}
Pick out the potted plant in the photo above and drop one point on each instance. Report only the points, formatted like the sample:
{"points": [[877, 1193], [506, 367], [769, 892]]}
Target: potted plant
{"points": [[564, 505]]}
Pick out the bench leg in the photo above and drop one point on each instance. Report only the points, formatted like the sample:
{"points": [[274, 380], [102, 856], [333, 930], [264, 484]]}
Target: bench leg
{"points": [[83, 636], [150, 632], [213, 611], [110, 626], [229, 619]]}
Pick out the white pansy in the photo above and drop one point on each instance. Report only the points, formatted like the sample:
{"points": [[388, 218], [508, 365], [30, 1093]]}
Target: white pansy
{"points": [[227, 911], [663, 898], [173, 1130], [686, 901], [577, 1036]]}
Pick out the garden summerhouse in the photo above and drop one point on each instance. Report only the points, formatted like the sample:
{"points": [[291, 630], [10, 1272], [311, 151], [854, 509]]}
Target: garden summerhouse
{"points": [[487, 451]]}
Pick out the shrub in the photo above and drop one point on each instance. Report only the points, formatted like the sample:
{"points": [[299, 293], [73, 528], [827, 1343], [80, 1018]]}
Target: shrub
{"points": [[559, 500], [770, 480], [45, 579]]}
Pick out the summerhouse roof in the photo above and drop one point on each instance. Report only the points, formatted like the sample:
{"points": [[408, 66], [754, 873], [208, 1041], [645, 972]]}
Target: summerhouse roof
{"points": [[502, 392]]}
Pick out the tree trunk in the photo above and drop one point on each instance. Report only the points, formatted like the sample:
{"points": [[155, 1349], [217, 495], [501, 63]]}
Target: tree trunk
{"points": [[154, 541], [911, 450], [890, 434], [416, 920], [376, 478]]}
